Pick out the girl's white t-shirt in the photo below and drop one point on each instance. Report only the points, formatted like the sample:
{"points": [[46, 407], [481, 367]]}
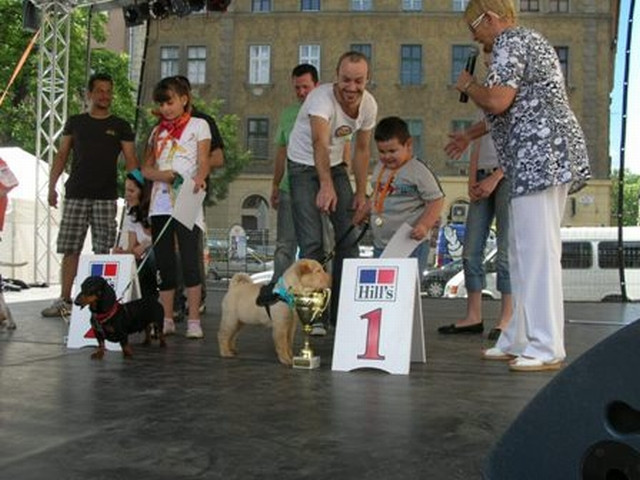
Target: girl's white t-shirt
{"points": [[180, 156]]}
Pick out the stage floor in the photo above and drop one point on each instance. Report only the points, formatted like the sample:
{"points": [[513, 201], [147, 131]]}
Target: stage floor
{"points": [[183, 412]]}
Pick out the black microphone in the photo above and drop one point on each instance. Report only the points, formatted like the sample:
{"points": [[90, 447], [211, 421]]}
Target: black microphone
{"points": [[469, 67]]}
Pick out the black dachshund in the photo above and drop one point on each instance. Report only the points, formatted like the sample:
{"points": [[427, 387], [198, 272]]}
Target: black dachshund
{"points": [[114, 321]]}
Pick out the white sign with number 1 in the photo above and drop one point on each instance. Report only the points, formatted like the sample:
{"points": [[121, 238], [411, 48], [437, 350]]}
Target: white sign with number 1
{"points": [[380, 316]]}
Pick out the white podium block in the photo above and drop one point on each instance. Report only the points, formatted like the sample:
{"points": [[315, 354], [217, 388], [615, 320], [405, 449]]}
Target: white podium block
{"points": [[380, 316], [118, 270]]}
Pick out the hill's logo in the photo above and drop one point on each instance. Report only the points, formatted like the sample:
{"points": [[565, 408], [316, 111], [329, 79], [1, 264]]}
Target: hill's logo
{"points": [[107, 270], [377, 284]]}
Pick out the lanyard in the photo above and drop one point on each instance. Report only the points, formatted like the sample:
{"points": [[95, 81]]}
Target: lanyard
{"points": [[381, 193]]}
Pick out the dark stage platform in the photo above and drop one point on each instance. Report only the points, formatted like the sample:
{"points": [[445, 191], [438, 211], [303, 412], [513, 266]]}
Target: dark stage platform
{"points": [[184, 413]]}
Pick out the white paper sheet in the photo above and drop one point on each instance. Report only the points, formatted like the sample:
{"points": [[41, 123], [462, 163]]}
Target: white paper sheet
{"points": [[188, 204], [401, 244]]}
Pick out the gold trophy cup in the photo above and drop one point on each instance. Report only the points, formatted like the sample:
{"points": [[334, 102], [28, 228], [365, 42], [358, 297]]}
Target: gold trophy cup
{"points": [[309, 307]]}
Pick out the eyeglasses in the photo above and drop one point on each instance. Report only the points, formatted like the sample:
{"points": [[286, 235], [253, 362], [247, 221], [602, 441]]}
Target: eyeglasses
{"points": [[473, 25]]}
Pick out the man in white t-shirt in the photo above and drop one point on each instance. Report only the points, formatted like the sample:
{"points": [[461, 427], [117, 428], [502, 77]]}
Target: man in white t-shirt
{"points": [[331, 115]]}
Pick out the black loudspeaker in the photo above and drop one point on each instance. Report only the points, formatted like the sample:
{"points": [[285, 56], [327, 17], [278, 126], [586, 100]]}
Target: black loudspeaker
{"points": [[585, 424]]}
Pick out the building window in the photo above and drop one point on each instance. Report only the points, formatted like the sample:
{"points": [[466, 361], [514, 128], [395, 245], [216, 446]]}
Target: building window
{"points": [[411, 64], [310, 5], [459, 55], [258, 138], [310, 54], [260, 5], [412, 5], [415, 129], [456, 126], [259, 64], [361, 5], [197, 65], [529, 5], [563, 57], [459, 5], [169, 61], [363, 48], [559, 6]]}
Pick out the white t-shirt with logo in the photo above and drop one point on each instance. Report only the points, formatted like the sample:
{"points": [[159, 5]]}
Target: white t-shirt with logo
{"points": [[180, 156], [322, 102]]}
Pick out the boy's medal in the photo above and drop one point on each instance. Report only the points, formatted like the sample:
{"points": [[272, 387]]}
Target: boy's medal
{"points": [[380, 193]]}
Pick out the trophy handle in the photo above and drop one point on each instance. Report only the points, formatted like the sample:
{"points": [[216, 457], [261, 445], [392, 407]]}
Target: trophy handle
{"points": [[327, 294]]}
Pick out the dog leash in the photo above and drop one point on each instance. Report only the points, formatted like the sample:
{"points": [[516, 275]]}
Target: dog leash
{"points": [[329, 256], [144, 259]]}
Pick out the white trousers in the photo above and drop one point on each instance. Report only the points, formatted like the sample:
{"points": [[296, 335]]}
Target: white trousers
{"points": [[536, 329]]}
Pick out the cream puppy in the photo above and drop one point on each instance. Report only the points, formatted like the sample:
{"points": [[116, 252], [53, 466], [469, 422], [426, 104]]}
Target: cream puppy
{"points": [[239, 308]]}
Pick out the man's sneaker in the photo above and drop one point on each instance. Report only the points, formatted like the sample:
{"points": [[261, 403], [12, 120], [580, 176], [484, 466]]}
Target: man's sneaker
{"points": [[169, 327], [59, 308], [318, 330], [194, 330]]}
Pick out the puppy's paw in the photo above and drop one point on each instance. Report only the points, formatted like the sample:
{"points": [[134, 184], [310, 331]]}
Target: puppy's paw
{"points": [[127, 351], [227, 353], [98, 354], [285, 360]]}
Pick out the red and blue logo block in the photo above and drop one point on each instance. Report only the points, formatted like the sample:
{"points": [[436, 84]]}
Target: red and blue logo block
{"points": [[107, 270], [376, 284]]}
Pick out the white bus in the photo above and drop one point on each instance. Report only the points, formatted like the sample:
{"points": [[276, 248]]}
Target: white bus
{"points": [[589, 266]]}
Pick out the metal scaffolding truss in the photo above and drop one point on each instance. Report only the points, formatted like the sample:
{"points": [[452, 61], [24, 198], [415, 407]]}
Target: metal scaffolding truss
{"points": [[53, 73]]}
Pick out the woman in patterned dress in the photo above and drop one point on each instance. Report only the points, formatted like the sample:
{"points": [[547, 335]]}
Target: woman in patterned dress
{"points": [[543, 153]]}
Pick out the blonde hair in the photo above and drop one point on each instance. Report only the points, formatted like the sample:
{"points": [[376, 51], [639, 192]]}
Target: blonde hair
{"points": [[503, 8]]}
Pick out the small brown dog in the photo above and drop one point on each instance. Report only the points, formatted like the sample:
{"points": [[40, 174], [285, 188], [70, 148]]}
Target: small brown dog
{"points": [[239, 308]]}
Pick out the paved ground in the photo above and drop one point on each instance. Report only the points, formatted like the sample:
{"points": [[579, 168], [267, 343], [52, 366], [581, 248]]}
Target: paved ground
{"points": [[185, 413]]}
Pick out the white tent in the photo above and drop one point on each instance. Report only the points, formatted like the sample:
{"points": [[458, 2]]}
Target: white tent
{"points": [[18, 236]]}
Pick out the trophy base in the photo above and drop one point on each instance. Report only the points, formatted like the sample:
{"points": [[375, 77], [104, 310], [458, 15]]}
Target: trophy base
{"points": [[306, 363]]}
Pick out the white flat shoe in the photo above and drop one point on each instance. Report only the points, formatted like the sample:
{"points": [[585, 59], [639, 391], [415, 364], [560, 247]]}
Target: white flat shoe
{"points": [[526, 364]]}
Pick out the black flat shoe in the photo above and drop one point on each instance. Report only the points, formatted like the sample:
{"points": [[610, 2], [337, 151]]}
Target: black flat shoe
{"points": [[494, 334], [452, 329]]}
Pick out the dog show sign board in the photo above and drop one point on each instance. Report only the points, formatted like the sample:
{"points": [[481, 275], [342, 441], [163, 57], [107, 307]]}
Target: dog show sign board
{"points": [[380, 316], [117, 270]]}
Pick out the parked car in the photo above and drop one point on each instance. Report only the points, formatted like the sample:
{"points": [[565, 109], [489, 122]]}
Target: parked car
{"points": [[222, 265], [434, 281], [455, 287]]}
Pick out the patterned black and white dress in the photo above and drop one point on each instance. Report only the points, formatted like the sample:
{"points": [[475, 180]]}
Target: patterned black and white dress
{"points": [[539, 140]]}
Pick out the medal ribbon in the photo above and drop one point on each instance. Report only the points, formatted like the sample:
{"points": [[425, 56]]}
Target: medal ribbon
{"points": [[381, 193]]}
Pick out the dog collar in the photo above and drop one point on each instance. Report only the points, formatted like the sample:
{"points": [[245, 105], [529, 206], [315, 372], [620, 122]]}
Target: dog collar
{"points": [[103, 317], [283, 292]]}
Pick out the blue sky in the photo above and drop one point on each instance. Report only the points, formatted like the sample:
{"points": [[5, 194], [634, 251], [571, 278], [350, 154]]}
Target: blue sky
{"points": [[632, 146]]}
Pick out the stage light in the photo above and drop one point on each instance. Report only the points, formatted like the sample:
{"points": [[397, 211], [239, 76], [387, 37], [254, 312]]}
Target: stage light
{"points": [[218, 5], [180, 8], [136, 14], [30, 16], [160, 9]]}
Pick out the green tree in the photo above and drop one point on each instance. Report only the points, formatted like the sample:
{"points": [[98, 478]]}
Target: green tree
{"points": [[631, 190], [18, 112]]}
